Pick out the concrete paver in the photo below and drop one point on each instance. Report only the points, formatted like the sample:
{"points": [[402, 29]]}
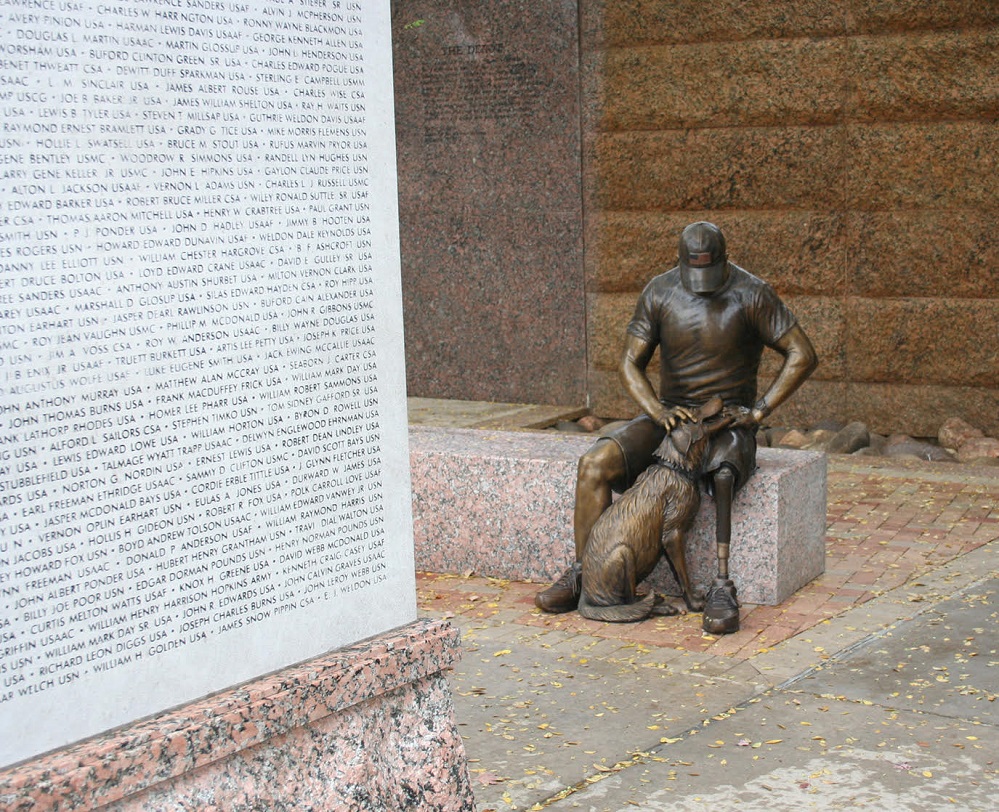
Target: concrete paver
{"points": [[905, 722], [945, 662], [562, 713], [807, 752]]}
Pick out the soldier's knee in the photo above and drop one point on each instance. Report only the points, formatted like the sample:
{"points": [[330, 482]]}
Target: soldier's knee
{"points": [[590, 471], [600, 465], [724, 478]]}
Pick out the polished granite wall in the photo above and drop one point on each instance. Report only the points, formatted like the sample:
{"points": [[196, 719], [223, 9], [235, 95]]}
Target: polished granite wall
{"points": [[487, 124]]}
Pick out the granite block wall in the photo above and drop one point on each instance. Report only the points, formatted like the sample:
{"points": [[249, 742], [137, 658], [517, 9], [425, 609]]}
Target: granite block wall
{"points": [[847, 149]]}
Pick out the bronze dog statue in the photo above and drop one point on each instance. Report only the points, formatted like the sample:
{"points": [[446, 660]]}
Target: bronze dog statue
{"points": [[651, 518]]}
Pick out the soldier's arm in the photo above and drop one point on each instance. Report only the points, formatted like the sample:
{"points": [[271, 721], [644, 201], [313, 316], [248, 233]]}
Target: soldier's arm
{"points": [[800, 361], [634, 361]]}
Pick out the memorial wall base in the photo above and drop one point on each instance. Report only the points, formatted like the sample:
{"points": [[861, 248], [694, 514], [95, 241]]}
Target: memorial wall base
{"points": [[367, 727]]}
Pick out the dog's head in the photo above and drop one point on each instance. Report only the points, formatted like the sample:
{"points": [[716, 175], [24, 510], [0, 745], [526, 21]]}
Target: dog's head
{"points": [[685, 444]]}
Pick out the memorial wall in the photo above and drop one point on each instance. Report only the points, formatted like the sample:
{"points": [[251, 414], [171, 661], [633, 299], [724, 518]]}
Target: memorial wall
{"points": [[203, 449]]}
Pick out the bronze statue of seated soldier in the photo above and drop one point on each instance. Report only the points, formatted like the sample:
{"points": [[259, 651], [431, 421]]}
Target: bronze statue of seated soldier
{"points": [[710, 320]]}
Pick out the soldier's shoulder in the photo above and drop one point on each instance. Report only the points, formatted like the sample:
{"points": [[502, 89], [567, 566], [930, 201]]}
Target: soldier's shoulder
{"points": [[746, 281], [743, 276], [664, 281]]}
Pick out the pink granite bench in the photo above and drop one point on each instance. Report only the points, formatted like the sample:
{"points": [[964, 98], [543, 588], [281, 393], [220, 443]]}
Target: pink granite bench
{"points": [[500, 504]]}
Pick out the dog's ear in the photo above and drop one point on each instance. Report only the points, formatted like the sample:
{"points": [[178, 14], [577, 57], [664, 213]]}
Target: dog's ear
{"points": [[685, 435]]}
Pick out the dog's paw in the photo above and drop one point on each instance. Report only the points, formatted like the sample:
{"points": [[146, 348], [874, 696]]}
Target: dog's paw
{"points": [[668, 607], [695, 601]]}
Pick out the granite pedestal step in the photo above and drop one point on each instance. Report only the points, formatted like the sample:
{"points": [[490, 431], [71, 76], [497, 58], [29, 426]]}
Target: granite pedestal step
{"points": [[500, 504], [369, 727]]}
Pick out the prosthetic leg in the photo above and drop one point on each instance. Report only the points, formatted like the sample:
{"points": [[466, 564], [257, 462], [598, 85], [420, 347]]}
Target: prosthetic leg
{"points": [[721, 608]]}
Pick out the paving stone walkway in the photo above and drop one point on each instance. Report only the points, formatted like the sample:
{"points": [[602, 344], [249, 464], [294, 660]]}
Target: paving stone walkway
{"points": [[552, 707]]}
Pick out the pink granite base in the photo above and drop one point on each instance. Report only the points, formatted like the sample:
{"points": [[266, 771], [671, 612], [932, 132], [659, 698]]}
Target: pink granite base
{"points": [[500, 504], [368, 727]]}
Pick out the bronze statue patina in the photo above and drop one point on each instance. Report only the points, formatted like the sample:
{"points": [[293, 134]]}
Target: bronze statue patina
{"points": [[710, 320]]}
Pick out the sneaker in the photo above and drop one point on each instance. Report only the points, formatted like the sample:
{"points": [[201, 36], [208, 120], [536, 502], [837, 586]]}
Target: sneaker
{"points": [[721, 609], [563, 595]]}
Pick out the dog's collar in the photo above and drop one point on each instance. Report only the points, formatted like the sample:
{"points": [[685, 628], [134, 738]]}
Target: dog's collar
{"points": [[693, 477]]}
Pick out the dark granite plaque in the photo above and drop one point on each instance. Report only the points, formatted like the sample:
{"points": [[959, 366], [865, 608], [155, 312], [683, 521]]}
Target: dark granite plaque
{"points": [[490, 200]]}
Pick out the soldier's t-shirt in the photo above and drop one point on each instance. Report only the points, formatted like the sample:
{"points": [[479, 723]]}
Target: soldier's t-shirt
{"points": [[710, 345]]}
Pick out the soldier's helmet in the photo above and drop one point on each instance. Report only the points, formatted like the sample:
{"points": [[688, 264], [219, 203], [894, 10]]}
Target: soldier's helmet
{"points": [[703, 258]]}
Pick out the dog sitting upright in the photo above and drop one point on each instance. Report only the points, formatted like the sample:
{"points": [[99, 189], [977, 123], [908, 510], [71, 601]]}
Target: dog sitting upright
{"points": [[651, 517]]}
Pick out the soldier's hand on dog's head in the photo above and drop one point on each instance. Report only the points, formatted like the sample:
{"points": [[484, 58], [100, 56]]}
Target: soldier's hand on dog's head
{"points": [[669, 419], [741, 417]]}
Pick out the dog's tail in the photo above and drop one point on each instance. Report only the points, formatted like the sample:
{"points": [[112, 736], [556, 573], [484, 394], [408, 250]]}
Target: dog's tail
{"points": [[619, 613]]}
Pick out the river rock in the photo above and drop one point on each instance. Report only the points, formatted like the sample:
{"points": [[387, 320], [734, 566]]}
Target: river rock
{"points": [[570, 426], [908, 447], [955, 432], [793, 439], [877, 443], [989, 462], [819, 439], [975, 447], [852, 437], [775, 434], [591, 422]]}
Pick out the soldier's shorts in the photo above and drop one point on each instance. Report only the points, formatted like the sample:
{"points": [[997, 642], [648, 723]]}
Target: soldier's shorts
{"points": [[639, 438]]}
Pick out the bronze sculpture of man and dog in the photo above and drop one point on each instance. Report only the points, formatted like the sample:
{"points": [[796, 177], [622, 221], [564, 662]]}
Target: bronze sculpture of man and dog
{"points": [[711, 321]]}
